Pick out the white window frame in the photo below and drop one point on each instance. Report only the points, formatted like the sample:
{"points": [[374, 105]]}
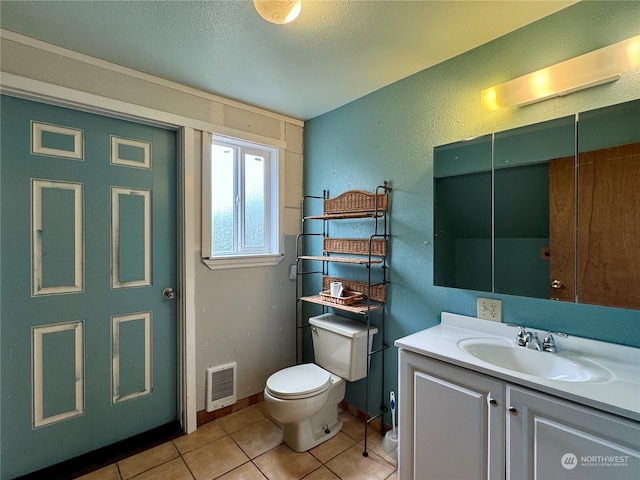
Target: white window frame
{"points": [[273, 226]]}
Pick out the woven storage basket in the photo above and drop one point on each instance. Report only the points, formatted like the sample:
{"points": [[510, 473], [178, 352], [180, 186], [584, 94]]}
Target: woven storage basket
{"points": [[378, 292], [356, 201], [355, 246], [348, 297]]}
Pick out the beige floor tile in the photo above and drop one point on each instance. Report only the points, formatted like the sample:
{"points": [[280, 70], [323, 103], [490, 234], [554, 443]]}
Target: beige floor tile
{"points": [[282, 463], [352, 426], [211, 453], [329, 449], [322, 473], [214, 459], [258, 438], [248, 471], [351, 465], [173, 470], [261, 406], [374, 444], [146, 460], [106, 473], [239, 420], [205, 434]]}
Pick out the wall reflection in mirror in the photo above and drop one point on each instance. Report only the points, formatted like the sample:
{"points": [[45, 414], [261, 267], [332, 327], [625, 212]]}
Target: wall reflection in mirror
{"points": [[550, 210]]}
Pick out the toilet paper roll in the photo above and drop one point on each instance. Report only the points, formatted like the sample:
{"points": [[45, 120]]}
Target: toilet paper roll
{"points": [[336, 289]]}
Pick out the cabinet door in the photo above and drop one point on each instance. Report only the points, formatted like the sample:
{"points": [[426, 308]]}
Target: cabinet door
{"points": [[548, 438], [452, 422]]}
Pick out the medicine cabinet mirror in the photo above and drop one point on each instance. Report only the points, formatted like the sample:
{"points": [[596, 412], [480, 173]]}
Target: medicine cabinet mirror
{"points": [[550, 210]]}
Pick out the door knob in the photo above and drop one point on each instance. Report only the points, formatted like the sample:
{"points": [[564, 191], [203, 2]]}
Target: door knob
{"points": [[513, 411], [556, 284], [169, 293]]}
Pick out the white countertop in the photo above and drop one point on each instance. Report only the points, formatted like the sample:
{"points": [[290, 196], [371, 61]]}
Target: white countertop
{"points": [[619, 395]]}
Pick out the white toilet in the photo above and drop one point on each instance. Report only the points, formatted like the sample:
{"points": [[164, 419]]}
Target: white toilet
{"points": [[305, 398]]}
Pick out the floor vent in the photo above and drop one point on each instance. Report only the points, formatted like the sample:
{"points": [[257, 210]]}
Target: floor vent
{"points": [[221, 386]]}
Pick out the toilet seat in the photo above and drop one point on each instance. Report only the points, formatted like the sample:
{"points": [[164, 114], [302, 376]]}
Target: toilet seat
{"points": [[299, 381]]}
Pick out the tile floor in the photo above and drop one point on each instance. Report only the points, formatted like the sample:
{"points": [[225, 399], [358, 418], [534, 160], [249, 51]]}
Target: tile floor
{"points": [[247, 445]]}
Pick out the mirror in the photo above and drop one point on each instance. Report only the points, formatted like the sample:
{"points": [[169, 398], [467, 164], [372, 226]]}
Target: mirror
{"points": [[527, 162], [524, 212], [462, 203], [609, 206]]}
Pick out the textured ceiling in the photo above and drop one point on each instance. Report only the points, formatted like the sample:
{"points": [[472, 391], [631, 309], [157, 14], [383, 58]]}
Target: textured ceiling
{"points": [[333, 53]]}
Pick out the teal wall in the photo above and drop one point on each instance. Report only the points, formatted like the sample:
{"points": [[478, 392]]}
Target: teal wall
{"points": [[390, 134]]}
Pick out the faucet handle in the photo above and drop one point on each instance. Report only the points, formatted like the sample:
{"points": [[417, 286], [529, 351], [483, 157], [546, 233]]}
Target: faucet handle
{"points": [[521, 337], [521, 328], [549, 344], [549, 335]]}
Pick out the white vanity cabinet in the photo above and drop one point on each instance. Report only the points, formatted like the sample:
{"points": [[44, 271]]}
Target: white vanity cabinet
{"points": [[526, 416], [458, 424], [451, 422], [549, 438]]}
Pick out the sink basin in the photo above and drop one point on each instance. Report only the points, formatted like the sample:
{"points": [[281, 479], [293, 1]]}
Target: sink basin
{"points": [[553, 366]]}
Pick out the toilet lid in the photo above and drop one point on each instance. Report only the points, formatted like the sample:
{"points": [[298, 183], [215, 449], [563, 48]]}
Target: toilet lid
{"points": [[299, 381]]}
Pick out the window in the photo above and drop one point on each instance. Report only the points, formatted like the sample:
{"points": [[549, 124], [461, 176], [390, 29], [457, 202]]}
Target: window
{"points": [[240, 208]]}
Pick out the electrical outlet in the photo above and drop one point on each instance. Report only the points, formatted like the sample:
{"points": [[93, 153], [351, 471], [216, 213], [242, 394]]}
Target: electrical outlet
{"points": [[490, 309]]}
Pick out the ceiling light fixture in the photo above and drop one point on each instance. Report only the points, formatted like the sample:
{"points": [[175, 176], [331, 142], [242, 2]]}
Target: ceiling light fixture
{"points": [[278, 11], [594, 68]]}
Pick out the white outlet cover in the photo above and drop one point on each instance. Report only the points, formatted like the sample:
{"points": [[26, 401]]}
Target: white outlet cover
{"points": [[489, 309]]}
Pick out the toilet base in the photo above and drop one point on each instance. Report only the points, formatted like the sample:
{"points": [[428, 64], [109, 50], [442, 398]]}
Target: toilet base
{"points": [[311, 432]]}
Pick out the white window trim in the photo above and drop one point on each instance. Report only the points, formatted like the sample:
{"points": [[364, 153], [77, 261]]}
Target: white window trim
{"points": [[243, 261], [222, 262]]}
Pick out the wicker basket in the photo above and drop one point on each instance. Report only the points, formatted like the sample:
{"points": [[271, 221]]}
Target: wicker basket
{"points": [[355, 246], [356, 201], [348, 297], [378, 292]]}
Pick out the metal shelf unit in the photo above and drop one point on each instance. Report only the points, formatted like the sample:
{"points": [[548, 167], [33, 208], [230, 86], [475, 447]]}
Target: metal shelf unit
{"points": [[371, 253]]}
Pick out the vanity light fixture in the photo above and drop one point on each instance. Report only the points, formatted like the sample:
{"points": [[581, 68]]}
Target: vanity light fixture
{"points": [[588, 70], [278, 11]]}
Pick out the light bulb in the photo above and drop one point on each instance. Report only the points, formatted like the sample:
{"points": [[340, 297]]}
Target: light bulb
{"points": [[278, 11]]}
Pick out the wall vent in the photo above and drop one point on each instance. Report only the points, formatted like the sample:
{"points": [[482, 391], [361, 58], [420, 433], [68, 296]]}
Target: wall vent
{"points": [[221, 386]]}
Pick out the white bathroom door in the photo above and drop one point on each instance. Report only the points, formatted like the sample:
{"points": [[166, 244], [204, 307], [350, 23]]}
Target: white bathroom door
{"points": [[88, 341]]}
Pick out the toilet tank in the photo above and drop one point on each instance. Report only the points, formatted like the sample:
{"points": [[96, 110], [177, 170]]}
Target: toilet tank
{"points": [[340, 345]]}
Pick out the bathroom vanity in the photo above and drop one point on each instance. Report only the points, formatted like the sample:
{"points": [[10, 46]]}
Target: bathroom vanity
{"points": [[474, 404]]}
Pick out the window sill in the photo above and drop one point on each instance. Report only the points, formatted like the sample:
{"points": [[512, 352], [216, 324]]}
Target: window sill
{"points": [[243, 261]]}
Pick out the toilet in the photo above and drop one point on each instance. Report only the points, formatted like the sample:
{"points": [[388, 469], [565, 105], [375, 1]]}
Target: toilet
{"points": [[304, 398]]}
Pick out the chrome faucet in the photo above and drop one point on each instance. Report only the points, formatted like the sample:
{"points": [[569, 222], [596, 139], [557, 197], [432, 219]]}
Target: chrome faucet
{"points": [[521, 336], [549, 344], [531, 339]]}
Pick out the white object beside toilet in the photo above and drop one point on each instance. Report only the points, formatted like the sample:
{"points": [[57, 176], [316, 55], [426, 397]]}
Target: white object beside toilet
{"points": [[304, 398]]}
